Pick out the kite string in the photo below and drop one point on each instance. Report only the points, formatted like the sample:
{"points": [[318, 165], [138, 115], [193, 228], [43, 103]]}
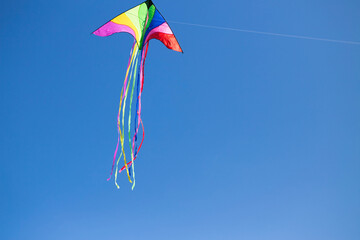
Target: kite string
{"points": [[269, 33]]}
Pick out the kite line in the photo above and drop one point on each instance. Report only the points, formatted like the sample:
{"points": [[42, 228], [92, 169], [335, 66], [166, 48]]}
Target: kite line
{"points": [[268, 33]]}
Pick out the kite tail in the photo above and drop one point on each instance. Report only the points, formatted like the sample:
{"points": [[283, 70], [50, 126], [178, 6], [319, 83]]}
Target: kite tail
{"points": [[138, 120], [126, 90], [116, 171], [118, 118], [138, 74], [134, 74]]}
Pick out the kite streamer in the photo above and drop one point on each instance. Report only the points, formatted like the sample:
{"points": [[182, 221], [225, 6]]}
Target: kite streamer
{"points": [[144, 22]]}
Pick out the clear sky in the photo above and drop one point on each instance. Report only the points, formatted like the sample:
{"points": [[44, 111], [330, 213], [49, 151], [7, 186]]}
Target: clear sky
{"points": [[247, 136]]}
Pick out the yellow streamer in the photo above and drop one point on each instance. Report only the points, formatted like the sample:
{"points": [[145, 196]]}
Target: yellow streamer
{"points": [[123, 110]]}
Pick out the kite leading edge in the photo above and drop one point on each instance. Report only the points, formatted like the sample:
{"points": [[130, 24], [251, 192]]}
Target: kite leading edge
{"points": [[144, 22]]}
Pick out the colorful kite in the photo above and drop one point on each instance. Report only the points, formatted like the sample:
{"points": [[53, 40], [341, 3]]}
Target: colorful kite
{"points": [[144, 22]]}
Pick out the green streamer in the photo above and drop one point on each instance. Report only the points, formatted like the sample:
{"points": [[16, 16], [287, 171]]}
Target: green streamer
{"points": [[129, 120]]}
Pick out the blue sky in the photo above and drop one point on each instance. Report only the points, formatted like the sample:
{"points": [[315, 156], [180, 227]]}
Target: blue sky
{"points": [[247, 136]]}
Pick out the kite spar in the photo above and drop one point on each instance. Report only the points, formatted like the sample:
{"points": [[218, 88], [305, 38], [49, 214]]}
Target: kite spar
{"points": [[144, 22]]}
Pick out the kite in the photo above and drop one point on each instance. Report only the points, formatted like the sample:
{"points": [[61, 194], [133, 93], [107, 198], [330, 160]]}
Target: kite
{"points": [[144, 22]]}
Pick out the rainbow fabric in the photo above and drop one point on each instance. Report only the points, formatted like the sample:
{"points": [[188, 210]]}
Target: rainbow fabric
{"points": [[144, 22]]}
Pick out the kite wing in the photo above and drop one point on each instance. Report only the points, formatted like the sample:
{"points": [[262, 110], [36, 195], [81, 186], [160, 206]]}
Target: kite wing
{"points": [[144, 22]]}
